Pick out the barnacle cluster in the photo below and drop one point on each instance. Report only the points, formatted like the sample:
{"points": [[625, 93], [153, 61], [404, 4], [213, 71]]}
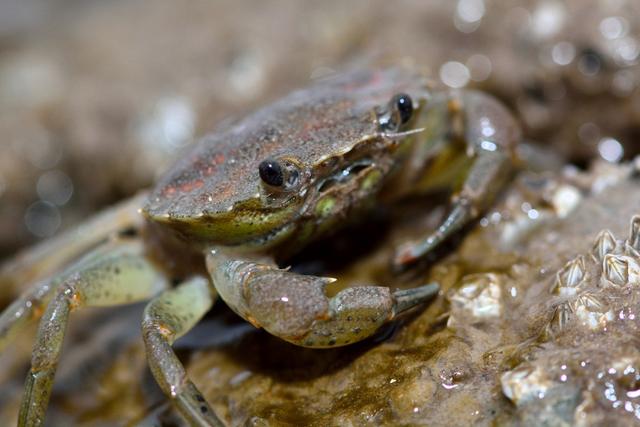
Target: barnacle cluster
{"points": [[583, 367], [583, 283]]}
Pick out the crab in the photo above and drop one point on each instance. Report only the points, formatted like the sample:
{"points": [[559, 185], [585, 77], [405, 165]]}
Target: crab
{"points": [[226, 216]]}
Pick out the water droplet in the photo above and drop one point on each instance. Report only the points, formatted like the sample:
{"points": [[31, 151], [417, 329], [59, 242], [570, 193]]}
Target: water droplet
{"points": [[610, 150], [548, 19], [627, 49], [246, 73], [449, 386], [589, 133], [589, 63], [613, 27], [479, 67], [495, 217], [42, 219], [488, 145], [170, 126], [55, 187], [470, 10], [487, 128], [563, 53], [623, 83], [41, 149], [633, 394], [454, 74]]}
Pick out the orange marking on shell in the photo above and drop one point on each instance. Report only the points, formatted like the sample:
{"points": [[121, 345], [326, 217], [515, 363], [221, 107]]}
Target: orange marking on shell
{"points": [[192, 185], [215, 161], [168, 191]]}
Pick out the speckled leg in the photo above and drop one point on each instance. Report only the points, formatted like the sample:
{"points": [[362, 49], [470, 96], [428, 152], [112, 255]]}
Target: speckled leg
{"points": [[120, 276], [491, 134], [48, 257], [23, 311], [295, 308], [169, 316], [30, 306]]}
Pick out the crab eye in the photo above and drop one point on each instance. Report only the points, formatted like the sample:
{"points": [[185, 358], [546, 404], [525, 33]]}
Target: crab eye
{"points": [[404, 105], [397, 113], [271, 173], [280, 175]]}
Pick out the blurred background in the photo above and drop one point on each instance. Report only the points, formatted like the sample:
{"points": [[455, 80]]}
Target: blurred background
{"points": [[97, 97]]}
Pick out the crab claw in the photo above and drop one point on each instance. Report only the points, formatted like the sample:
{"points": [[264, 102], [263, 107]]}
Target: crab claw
{"points": [[295, 307]]}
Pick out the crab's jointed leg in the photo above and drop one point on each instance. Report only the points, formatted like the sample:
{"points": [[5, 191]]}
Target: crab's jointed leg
{"points": [[30, 306], [23, 311], [167, 317], [295, 308], [490, 134], [48, 257], [119, 276]]}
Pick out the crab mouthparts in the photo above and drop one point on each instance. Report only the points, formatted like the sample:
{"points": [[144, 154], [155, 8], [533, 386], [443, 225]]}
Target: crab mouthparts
{"points": [[345, 174]]}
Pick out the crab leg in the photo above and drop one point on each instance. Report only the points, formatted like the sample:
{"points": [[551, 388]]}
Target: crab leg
{"points": [[167, 317], [30, 306], [121, 276], [48, 257], [490, 133], [23, 311], [295, 308]]}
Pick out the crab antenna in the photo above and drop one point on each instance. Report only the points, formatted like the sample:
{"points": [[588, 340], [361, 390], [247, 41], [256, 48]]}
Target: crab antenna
{"points": [[399, 135]]}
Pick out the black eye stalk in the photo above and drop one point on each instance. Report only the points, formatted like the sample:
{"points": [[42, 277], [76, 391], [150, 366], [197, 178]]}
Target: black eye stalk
{"points": [[398, 112], [404, 105], [279, 174], [271, 173]]}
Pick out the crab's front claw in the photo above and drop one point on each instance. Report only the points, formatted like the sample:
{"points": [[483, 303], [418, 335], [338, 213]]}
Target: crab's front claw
{"points": [[490, 133], [286, 304], [295, 307], [358, 312]]}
